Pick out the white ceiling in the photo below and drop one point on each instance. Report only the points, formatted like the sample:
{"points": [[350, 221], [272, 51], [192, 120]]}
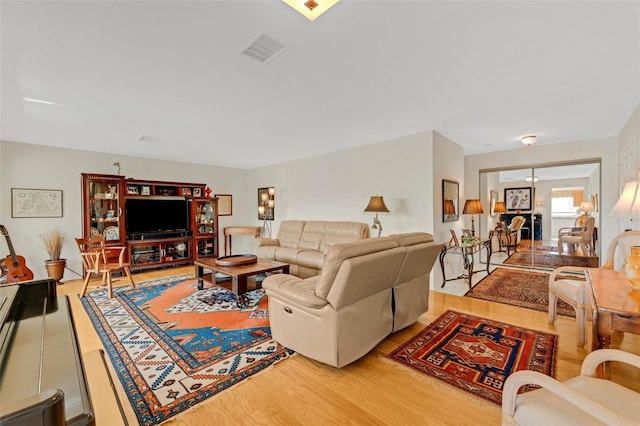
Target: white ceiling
{"points": [[481, 73]]}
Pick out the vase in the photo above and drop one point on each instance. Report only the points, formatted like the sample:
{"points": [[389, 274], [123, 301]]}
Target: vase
{"points": [[55, 268], [632, 267]]}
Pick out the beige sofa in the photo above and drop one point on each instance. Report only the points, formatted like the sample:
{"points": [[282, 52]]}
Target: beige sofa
{"points": [[367, 289], [303, 244]]}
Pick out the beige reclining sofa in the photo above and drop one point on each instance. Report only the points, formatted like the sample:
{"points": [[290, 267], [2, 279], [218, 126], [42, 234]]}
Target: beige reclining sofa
{"points": [[303, 244], [366, 290]]}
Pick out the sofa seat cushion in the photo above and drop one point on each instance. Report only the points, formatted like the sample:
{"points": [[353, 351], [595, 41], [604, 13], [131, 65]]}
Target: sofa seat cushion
{"points": [[310, 259], [295, 289], [287, 254]]}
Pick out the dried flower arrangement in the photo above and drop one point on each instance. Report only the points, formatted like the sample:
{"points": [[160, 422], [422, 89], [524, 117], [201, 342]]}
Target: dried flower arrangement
{"points": [[53, 241]]}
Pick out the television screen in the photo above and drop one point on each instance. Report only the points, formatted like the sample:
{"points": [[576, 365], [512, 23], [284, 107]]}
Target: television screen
{"points": [[156, 215]]}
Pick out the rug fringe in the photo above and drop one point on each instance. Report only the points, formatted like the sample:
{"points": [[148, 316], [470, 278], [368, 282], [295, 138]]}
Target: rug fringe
{"points": [[440, 385]]}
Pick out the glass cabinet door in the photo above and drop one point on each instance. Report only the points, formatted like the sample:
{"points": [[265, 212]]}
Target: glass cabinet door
{"points": [[103, 201]]}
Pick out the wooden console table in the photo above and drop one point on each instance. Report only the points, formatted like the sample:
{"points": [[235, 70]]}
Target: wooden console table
{"points": [[229, 231], [615, 304]]}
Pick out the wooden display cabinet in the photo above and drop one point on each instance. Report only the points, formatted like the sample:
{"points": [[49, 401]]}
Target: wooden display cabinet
{"points": [[161, 188], [102, 205], [204, 226]]}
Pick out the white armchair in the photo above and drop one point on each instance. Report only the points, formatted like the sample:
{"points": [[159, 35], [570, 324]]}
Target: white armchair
{"points": [[582, 400]]}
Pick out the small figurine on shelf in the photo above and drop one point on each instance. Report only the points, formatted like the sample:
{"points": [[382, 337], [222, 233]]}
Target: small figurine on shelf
{"points": [[207, 192]]}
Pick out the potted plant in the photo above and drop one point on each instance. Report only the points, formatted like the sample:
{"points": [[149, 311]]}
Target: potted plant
{"points": [[53, 241]]}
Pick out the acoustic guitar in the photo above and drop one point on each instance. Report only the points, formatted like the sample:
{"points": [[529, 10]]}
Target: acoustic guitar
{"points": [[14, 265]]}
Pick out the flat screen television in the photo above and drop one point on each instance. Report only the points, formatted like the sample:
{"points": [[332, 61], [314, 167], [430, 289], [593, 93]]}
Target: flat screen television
{"points": [[148, 215]]}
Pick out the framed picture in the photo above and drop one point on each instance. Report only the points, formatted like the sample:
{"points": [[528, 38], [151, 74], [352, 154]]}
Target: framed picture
{"points": [[197, 192], [518, 198], [186, 191], [36, 202], [266, 204], [493, 199], [132, 189], [454, 238], [225, 204], [466, 233], [145, 190], [450, 200]]}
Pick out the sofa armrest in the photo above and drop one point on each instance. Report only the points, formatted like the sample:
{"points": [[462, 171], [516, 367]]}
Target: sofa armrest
{"points": [[295, 289], [267, 242]]}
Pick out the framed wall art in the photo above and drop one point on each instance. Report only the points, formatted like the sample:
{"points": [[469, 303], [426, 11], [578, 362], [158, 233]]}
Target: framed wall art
{"points": [[518, 198], [450, 200], [36, 202], [225, 204]]}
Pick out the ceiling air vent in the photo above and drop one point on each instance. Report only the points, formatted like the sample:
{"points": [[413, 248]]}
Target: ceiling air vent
{"points": [[263, 48]]}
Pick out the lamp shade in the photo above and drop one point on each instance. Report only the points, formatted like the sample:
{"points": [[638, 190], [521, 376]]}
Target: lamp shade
{"points": [[586, 206], [376, 205], [472, 206], [628, 205], [449, 208], [500, 207]]}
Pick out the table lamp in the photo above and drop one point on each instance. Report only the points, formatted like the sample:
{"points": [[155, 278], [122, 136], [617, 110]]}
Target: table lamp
{"points": [[376, 205], [500, 208], [472, 207]]}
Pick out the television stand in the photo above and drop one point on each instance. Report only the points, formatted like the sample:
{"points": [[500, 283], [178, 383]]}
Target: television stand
{"points": [[159, 252], [157, 235]]}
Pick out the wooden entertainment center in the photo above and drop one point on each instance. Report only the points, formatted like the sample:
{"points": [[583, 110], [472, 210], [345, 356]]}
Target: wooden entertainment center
{"points": [[186, 230]]}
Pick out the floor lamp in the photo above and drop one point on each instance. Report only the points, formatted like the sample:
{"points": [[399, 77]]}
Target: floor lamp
{"points": [[376, 205], [472, 207]]}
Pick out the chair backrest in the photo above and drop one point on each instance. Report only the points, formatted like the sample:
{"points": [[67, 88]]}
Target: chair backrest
{"points": [[587, 229], [93, 242], [621, 243], [516, 223]]}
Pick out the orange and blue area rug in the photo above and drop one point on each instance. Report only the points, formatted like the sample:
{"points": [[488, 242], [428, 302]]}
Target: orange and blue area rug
{"points": [[476, 354], [173, 346]]}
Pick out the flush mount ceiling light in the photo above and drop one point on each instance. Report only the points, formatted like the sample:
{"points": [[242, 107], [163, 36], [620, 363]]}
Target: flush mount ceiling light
{"points": [[311, 9], [528, 140]]}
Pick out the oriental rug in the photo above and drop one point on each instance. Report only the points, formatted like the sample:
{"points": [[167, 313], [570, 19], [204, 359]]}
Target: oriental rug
{"points": [[173, 346], [552, 261], [537, 247], [519, 288], [476, 354]]}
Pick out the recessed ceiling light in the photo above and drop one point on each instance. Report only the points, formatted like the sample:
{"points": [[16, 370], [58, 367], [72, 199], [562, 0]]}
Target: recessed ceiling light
{"points": [[149, 139], [311, 9], [38, 101]]}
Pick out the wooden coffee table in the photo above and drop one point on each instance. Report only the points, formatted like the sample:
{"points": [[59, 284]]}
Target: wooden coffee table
{"points": [[238, 273]]}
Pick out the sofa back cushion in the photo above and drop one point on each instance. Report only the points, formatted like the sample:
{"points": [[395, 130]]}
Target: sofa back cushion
{"points": [[343, 232], [289, 232], [336, 254], [312, 234], [361, 277]]}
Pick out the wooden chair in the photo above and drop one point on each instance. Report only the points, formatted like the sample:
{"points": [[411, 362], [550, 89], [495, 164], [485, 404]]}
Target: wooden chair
{"points": [[100, 259]]}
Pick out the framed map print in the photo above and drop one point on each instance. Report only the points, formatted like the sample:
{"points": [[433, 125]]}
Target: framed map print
{"points": [[36, 202]]}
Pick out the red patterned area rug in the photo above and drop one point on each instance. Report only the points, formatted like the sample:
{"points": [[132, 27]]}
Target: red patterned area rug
{"points": [[519, 288], [476, 354], [173, 346], [551, 260]]}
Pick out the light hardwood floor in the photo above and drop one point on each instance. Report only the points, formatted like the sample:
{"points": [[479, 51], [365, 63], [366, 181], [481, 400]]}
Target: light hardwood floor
{"points": [[371, 391]]}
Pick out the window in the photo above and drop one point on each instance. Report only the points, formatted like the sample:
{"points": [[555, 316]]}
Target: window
{"points": [[565, 201]]}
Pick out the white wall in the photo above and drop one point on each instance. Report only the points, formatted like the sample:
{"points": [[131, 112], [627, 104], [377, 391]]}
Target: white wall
{"points": [[337, 186], [35, 166]]}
